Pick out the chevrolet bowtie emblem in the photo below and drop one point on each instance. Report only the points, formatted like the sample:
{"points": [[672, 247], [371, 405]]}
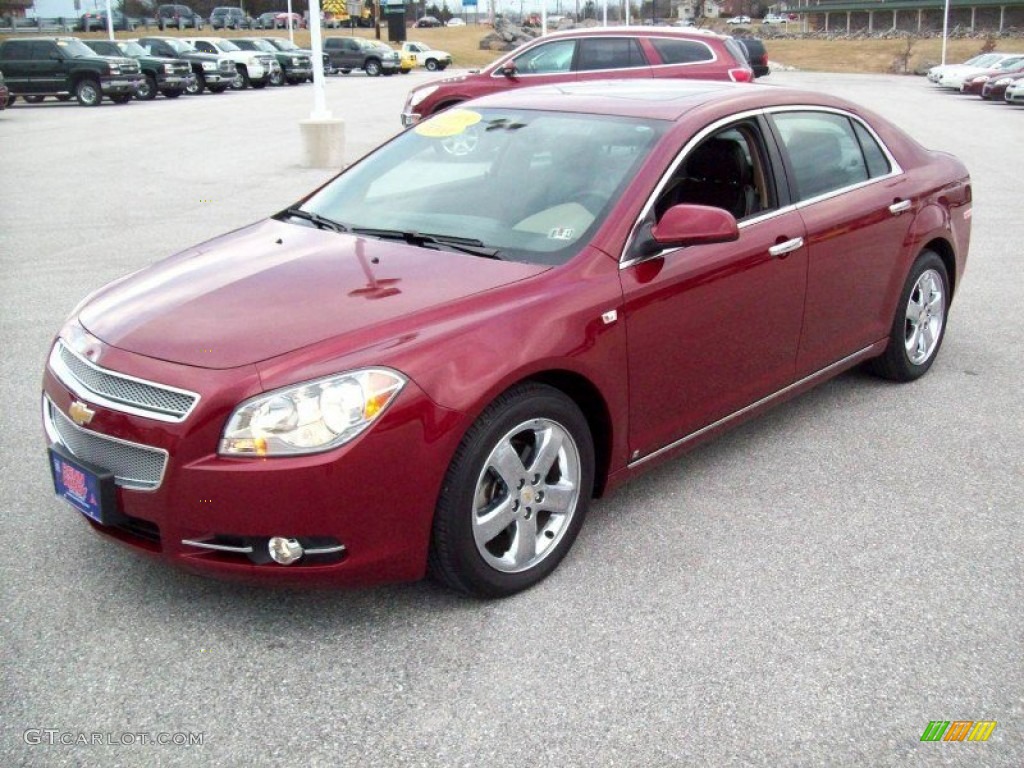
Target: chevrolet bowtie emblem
{"points": [[80, 413]]}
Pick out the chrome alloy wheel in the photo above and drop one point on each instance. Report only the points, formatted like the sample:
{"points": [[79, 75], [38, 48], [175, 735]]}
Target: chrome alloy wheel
{"points": [[526, 495], [926, 312]]}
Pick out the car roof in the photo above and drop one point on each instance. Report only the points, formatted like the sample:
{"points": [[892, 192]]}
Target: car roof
{"points": [[685, 33], [654, 98]]}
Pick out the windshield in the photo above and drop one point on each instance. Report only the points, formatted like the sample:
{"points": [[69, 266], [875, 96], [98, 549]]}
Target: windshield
{"points": [[227, 46], [262, 45], [532, 185], [75, 48], [179, 46], [284, 45], [132, 49]]}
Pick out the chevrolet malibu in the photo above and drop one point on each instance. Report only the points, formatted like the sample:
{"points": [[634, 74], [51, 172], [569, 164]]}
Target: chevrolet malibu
{"points": [[432, 363]]}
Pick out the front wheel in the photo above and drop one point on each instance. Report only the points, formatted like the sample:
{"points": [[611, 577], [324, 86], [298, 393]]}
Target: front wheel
{"points": [[372, 67], [88, 93], [197, 86], [515, 494], [121, 98], [173, 94], [147, 89], [920, 322], [277, 77], [241, 79], [218, 88], [33, 99]]}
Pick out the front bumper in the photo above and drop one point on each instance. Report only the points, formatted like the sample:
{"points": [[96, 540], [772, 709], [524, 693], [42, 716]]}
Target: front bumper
{"points": [[175, 82], [374, 497], [121, 84]]}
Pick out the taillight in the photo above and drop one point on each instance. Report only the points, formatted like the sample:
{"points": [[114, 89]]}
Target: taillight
{"points": [[741, 75]]}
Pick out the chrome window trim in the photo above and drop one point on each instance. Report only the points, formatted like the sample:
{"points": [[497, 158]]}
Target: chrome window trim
{"points": [[859, 354], [895, 170], [68, 379], [129, 483]]}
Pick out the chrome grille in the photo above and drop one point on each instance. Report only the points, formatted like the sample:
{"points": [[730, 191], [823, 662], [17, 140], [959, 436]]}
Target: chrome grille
{"points": [[118, 391], [133, 465]]}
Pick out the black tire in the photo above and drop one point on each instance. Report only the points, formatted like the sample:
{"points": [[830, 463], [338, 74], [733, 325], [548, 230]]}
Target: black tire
{"points": [[372, 67], [11, 98], [257, 84], [147, 90], [121, 98], [919, 324], [431, 65], [197, 87], [33, 99], [241, 79], [88, 92], [277, 77], [517, 495], [345, 71], [173, 94], [63, 97], [217, 88]]}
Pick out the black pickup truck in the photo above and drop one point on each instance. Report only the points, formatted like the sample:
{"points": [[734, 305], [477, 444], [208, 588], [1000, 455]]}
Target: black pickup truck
{"points": [[163, 75], [38, 67]]}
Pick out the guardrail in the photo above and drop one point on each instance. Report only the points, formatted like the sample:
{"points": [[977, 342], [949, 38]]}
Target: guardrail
{"points": [[35, 25]]}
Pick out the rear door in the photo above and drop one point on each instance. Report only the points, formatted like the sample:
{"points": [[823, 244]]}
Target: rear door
{"points": [[17, 65], [598, 58]]}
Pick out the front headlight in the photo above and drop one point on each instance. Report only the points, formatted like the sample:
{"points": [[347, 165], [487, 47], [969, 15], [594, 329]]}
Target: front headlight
{"points": [[115, 69], [1003, 81], [168, 69], [296, 62], [209, 66], [311, 417], [421, 94]]}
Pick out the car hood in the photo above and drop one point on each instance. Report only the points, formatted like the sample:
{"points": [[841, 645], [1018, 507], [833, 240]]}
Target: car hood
{"points": [[275, 287]]}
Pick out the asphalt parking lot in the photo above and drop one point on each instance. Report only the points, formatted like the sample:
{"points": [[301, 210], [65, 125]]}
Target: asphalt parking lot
{"points": [[809, 590]]}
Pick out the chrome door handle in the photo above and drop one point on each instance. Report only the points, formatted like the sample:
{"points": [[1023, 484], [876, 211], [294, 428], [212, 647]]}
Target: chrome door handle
{"points": [[897, 208], [787, 247]]}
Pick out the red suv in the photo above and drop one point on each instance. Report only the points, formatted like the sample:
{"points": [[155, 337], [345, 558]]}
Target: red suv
{"points": [[592, 54]]}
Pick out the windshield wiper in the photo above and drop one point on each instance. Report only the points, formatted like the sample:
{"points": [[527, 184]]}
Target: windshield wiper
{"points": [[464, 244], [322, 222]]}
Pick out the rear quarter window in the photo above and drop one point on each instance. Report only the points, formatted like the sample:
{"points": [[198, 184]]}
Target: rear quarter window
{"points": [[672, 51]]}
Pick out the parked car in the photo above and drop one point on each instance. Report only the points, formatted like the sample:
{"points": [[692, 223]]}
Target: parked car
{"points": [[349, 53], [297, 21], [981, 60], [97, 21], [294, 67], [426, 22], [456, 21], [1014, 93], [252, 69], [995, 87], [975, 84], [757, 55], [590, 54], [5, 94], [169, 76], [177, 16], [773, 18], [738, 20], [37, 67], [624, 273], [425, 56], [226, 17], [286, 45], [211, 71], [953, 77]]}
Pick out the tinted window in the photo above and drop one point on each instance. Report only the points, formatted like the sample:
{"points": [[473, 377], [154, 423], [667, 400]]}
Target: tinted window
{"points": [[824, 153], [878, 163], [17, 49], [609, 53], [547, 58], [681, 51], [42, 50]]}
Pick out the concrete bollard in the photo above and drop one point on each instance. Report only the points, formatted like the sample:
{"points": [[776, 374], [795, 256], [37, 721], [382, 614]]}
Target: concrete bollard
{"points": [[323, 142]]}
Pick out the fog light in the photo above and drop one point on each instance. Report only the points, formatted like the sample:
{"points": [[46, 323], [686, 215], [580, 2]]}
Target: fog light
{"points": [[284, 551]]}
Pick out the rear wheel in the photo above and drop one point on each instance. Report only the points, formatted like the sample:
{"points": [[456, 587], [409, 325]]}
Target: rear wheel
{"points": [[431, 65], [173, 94], [218, 88], [515, 494], [258, 84], [920, 322], [88, 93], [147, 89]]}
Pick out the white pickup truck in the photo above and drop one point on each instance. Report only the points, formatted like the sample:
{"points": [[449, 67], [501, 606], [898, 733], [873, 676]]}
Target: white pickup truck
{"points": [[426, 56], [252, 68]]}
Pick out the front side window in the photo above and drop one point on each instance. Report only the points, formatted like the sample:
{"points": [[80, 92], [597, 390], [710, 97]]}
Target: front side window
{"points": [[531, 185], [546, 59], [823, 150], [609, 53]]}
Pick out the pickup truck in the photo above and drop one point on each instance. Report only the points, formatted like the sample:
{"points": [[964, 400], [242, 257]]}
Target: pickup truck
{"points": [[349, 53], [252, 68], [162, 75], [212, 72], [37, 67], [426, 56]]}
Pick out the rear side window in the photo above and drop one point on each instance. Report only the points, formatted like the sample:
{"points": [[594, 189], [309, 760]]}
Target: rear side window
{"points": [[674, 51], [824, 151], [17, 49], [609, 53], [878, 163]]}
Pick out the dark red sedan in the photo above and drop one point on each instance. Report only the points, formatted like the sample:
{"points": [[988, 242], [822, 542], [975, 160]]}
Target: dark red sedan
{"points": [[432, 364], [975, 85]]}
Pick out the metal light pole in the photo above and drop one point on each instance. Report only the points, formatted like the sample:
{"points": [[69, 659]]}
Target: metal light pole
{"points": [[945, 31], [323, 136], [291, 26], [110, 21]]}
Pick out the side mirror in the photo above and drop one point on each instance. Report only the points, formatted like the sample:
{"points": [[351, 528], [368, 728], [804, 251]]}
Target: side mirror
{"points": [[686, 224], [509, 69]]}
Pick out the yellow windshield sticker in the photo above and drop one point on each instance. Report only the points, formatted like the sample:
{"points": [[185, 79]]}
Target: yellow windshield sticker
{"points": [[450, 123]]}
